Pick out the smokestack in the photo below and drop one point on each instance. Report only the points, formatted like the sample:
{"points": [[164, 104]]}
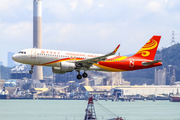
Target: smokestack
{"points": [[37, 27]]}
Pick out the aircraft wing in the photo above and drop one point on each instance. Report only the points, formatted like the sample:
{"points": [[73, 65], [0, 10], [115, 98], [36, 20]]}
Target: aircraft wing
{"points": [[151, 62], [89, 62]]}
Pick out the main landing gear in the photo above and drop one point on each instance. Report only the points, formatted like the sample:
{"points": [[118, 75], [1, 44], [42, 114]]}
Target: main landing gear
{"points": [[84, 75], [31, 71]]}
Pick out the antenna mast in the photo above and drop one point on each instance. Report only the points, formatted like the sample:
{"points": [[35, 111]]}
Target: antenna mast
{"points": [[173, 39]]}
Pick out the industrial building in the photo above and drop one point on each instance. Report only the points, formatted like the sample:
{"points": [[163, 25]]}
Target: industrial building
{"points": [[1, 63], [144, 90], [64, 78], [20, 75], [160, 77], [20, 72], [11, 63]]}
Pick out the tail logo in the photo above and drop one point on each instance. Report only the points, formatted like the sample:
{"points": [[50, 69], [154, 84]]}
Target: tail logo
{"points": [[145, 50]]}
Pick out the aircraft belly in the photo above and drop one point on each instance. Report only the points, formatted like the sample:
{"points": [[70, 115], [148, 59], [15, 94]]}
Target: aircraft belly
{"points": [[53, 65]]}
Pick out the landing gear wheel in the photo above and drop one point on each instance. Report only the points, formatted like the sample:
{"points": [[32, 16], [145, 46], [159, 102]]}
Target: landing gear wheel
{"points": [[79, 76], [84, 75], [30, 72]]}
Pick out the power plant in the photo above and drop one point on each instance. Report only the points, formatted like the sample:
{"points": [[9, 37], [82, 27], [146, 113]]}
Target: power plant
{"points": [[37, 35]]}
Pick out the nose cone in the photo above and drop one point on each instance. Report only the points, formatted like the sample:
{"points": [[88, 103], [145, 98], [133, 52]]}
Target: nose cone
{"points": [[14, 57]]}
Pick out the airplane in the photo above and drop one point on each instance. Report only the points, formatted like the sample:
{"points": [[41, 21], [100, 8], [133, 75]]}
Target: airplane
{"points": [[67, 61]]}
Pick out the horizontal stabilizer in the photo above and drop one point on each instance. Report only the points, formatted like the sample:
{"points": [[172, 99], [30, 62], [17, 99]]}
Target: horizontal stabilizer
{"points": [[151, 62]]}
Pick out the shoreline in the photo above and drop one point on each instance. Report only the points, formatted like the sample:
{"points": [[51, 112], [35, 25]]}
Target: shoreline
{"points": [[110, 99]]}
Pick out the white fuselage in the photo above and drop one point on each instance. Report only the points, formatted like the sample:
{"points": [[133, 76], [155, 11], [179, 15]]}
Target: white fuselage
{"points": [[52, 58]]}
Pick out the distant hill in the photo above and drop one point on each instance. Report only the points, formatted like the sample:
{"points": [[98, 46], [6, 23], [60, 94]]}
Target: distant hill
{"points": [[170, 56]]}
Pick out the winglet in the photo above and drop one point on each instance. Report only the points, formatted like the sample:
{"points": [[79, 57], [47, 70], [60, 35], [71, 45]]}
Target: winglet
{"points": [[116, 49]]}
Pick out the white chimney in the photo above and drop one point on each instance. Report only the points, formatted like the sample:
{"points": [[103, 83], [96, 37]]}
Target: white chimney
{"points": [[37, 35]]}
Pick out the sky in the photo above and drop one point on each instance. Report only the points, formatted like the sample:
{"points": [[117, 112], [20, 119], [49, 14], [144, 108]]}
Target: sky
{"points": [[94, 26]]}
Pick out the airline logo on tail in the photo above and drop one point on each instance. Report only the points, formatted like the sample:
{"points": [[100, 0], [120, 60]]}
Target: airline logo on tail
{"points": [[144, 51], [148, 51]]}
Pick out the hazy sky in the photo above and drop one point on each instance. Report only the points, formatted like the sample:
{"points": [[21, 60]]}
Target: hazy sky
{"points": [[95, 26]]}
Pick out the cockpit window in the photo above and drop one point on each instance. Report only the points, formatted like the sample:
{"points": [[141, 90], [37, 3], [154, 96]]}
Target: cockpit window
{"points": [[21, 52]]}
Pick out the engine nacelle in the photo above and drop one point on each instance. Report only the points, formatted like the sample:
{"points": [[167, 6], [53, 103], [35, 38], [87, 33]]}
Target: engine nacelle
{"points": [[64, 67], [57, 70]]}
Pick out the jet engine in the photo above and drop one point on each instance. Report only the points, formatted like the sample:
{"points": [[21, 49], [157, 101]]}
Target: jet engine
{"points": [[64, 67]]}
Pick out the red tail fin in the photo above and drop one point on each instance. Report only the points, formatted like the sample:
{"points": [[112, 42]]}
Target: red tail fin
{"points": [[148, 51]]}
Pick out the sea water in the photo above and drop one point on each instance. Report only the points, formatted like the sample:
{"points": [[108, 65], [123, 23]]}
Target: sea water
{"points": [[75, 110]]}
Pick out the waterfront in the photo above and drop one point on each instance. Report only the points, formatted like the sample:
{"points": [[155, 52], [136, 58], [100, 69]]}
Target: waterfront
{"points": [[75, 110]]}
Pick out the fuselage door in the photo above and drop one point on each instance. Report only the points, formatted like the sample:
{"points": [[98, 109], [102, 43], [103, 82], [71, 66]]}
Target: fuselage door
{"points": [[33, 53], [131, 62], [74, 58]]}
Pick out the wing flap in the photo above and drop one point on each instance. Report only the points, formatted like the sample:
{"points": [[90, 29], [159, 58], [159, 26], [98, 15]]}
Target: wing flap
{"points": [[90, 61]]}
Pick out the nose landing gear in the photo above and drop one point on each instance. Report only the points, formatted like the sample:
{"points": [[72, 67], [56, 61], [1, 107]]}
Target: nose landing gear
{"points": [[31, 71]]}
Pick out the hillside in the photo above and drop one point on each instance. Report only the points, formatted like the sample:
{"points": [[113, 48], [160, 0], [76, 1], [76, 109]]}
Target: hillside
{"points": [[171, 56]]}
